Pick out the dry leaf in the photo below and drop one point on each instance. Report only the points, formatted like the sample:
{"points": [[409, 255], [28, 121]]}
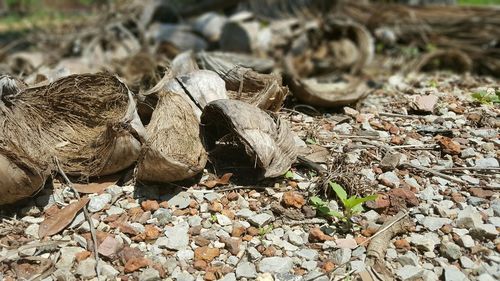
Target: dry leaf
{"points": [[60, 220], [224, 180], [96, 187]]}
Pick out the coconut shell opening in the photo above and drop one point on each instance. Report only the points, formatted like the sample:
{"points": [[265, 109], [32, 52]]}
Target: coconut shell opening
{"points": [[246, 141]]}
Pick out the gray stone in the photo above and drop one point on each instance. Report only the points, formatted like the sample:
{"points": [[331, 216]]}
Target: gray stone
{"points": [[86, 268], [149, 274], [261, 219], [107, 270], [233, 260], [60, 275], [408, 259], [253, 254], [468, 153], [229, 277], [390, 161], [295, 239], [484, 133], [341, 256], [184, 276], [489, 162], [32, 230], [316, 276], [163, 216], [433, 223], [185, 255], [98, 202], [195, 220], [357, 266], [470, 179], [469, 217], [495, 205], [429, 275], [309, 265], [410, 272], [245, 213], [180, 200], [308, 254], [466, 241], [390, 178], [450, 250], [223, 220], [113, 210], [246, 270], [68, 257], [212, 196], [452, 273], [467, 262], [424, 242], [476, 201], [276, 265], [178, 238], [484, 231], [494, 221], [371, 216], [485, 277]]}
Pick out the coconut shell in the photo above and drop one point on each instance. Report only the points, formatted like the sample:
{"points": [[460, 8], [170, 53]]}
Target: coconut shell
{"points": [[89, 122], [172, 150], [198, 88], [262, 90], [246, 141], [454, 60]]}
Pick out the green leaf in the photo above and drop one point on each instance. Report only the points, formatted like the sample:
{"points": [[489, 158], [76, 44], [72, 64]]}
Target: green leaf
{"points": [[311, 141], [317, 202], [339, 190], [333, 213], [289, 175], [359, 201]]}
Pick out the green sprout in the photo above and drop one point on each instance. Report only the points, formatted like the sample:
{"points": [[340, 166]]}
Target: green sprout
{"points": [[484, 97], [352, 205]]}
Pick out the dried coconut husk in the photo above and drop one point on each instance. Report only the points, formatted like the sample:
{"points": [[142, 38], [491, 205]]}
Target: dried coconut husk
{"points": [[326, 91], [198, 88], [246, 141], [10, 86], [88, 122], [172, 150], [454, 60], [262, 90]]}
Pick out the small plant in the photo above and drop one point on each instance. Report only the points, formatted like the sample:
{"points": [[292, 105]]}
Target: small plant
{"points": [[265, 230], [213, 218], [487, 97], [352, 205], [289, 175]]}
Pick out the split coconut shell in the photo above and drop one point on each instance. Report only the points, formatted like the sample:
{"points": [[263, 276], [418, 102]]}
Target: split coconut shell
{"points": [[172, 150], [246, 141], [262, 90], [89, 122]]}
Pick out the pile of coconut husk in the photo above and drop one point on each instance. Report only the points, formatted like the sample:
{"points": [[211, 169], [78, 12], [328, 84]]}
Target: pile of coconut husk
{"points": [[466, 36], [90, 124]]}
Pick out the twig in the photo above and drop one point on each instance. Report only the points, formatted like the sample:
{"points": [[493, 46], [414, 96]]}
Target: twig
{"points": [[434, 172], [240, 187], [470, 169], [308, 221], [85, 212], [398, 115], [380, 231], [313, 165]]}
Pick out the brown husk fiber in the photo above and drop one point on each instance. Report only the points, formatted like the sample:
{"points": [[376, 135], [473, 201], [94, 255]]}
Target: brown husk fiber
{"points": [[262, 90], [246, 141], [173, 150], [87, 121]]}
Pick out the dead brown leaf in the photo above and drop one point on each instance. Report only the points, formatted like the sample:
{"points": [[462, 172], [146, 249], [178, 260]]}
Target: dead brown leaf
{"points": [[224, 180], [97, 186], [60, 220]]}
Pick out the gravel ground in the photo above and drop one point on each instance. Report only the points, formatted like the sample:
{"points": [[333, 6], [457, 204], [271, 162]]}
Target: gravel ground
{"points": [[421, 142]]}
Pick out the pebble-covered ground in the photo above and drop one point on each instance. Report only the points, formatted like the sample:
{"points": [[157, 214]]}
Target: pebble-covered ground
{"points": [[422, 143]]}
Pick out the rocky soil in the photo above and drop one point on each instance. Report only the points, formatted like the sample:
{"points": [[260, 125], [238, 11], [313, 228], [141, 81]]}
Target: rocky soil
{"points": [[422, 143]]}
